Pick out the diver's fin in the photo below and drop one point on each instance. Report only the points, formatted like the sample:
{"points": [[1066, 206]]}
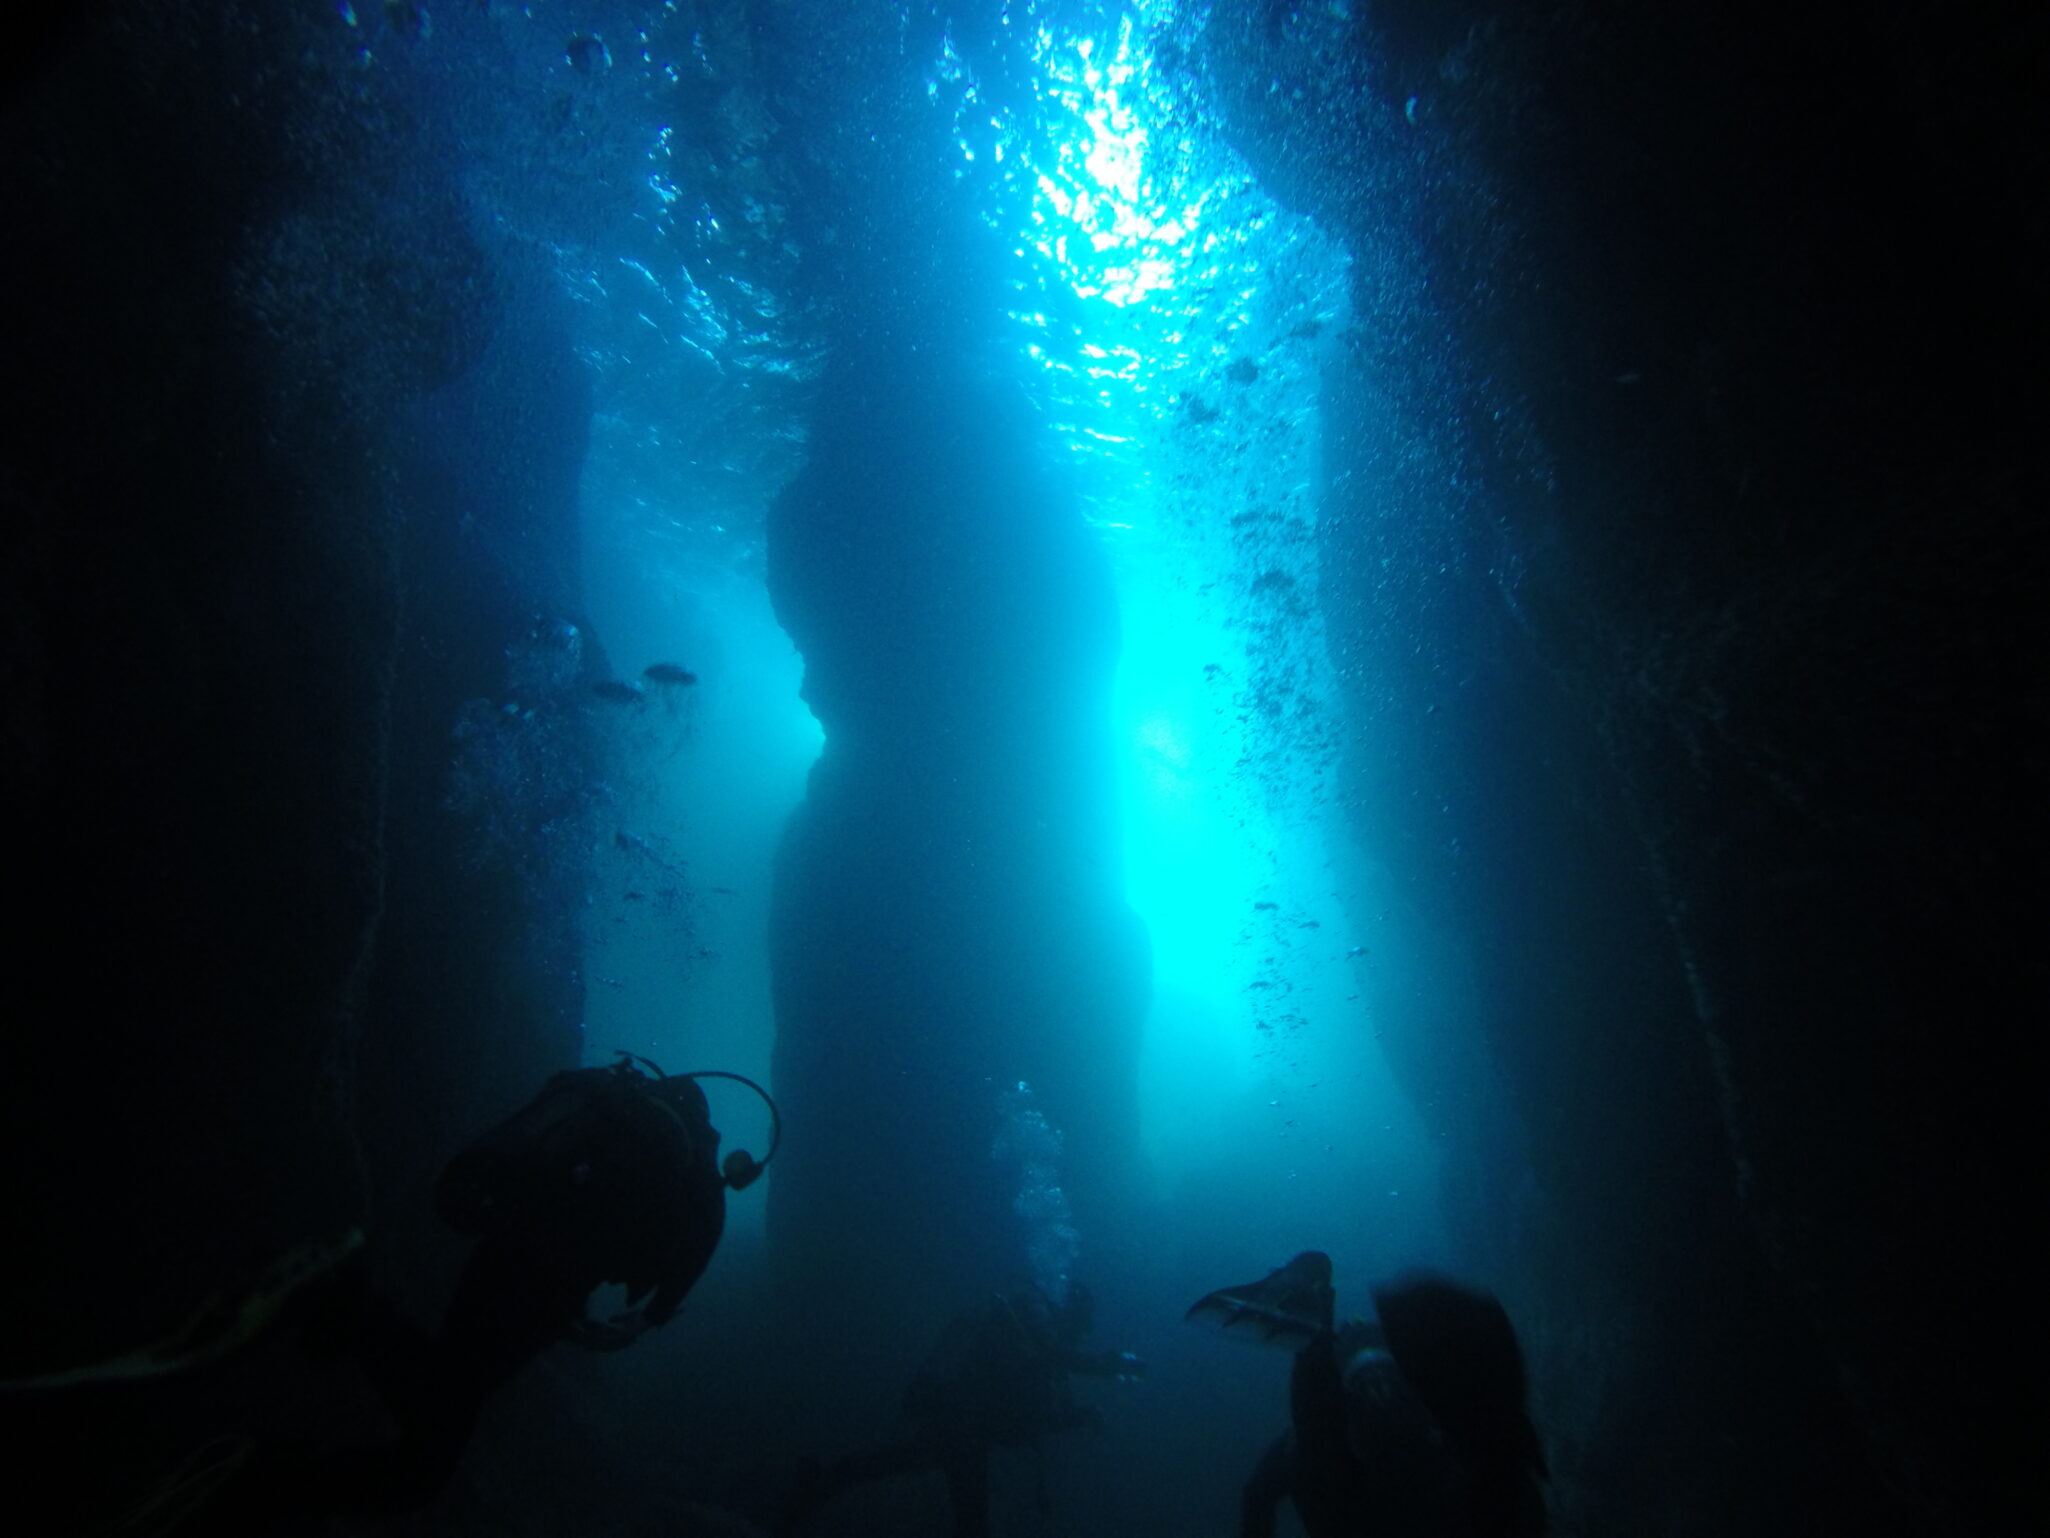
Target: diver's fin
{"points": [[223, 1322], [1290, 1308]]}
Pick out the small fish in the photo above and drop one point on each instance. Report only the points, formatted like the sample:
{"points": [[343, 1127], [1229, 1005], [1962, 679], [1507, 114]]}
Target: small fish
{"points": [[669, 675], [618, 690]]}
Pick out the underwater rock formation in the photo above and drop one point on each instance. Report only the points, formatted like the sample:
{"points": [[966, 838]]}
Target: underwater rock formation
{"points": [[947, 921], [1714, 751], [261, 973], [237, 281]]}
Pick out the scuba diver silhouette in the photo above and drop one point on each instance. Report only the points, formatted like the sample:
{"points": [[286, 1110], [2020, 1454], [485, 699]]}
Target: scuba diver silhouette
{"points": [[997, 1377], [609, 1176], [1410, 1426]]}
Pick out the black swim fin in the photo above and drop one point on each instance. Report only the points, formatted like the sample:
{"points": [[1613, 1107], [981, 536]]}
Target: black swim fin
{"points": [[1290, 1308]]}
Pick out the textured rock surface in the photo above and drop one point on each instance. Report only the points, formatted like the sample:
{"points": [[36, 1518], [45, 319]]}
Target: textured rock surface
{"points": [[1717, 755]]}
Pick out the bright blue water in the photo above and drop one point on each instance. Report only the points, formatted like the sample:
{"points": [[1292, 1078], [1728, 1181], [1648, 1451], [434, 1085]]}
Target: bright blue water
{"points": [[1172, 322]]}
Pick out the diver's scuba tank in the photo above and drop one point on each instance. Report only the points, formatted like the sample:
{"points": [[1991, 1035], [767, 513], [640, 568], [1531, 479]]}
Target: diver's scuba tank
{"points": [[534, 1155], [501, 1172]]}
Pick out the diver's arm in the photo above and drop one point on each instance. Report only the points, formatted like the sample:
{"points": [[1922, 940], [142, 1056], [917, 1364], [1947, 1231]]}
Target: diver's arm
{"points": [[1271, 1480], [524, 1150]]}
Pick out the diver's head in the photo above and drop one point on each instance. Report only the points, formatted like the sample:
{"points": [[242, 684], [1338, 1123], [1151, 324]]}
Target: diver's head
{"points": [[740, 1169], [682, 1094]]}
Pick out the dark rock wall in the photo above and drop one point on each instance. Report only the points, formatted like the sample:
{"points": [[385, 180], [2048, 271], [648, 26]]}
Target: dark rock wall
{"points": [[282, 502], [1684, 444], [203, 621], [497, 770]]}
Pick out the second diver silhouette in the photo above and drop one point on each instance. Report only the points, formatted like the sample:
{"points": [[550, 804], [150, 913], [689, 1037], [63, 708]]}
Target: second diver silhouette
{"points": [[1410, 1425]]}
